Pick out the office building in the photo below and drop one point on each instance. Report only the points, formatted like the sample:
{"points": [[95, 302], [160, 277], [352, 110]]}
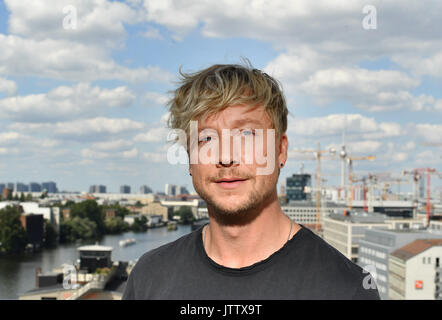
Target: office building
{"points": [[2, 186], [125, 189], [183, 190], [377, 244], [97, 189], [295, 187], [145, 189], [50, 187], [343, 231], [170, 189], [304, 212], [21, 187], [415, 271], [34, 187]]}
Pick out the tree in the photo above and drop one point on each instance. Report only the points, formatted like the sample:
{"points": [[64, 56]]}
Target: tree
{"points": [[28, 197], [22, 197], [49, 235], [78, 228], [140, 224], [13, 236], [89, 209], [185, 214], [116, 225]]}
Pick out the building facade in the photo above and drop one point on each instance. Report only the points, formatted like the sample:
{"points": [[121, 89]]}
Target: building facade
{"points": [[415, 271], [376, 246], [343, 232], [295, 187]]}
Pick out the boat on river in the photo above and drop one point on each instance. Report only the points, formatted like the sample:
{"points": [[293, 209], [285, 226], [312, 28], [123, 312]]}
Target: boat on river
{"points": [[127, 242]]}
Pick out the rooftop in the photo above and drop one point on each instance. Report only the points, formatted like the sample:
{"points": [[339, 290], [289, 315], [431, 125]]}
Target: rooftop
{"points": [[414, 248], [94, 247]]}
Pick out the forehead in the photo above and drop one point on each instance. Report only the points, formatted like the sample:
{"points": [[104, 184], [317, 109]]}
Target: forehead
{"points": [[237, 116]]}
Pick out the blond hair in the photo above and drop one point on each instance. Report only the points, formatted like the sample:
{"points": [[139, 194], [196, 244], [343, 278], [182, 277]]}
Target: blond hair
{"points": [[211, 90]]}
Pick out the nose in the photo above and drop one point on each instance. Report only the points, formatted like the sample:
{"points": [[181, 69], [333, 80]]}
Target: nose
{"points": [[232, 159]]}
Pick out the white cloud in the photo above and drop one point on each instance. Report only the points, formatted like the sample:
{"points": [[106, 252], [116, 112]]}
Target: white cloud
{"points": [[8, 87], [65, 60], [431, 133], [82, 128], [152, 33], [65, 103], [158, 157], [334, 124], [93, 154], [112, 145], [153, 135], [156, 98], [98, 21]]}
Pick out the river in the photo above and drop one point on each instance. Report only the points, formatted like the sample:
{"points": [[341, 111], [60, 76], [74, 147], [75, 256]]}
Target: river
{"points": [[17, 273]]}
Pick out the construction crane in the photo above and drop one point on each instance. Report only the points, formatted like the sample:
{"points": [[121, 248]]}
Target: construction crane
{"points": [[417, 173], [350, 160], [318, 153]]}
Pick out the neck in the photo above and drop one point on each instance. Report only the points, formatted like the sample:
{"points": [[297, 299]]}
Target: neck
{"points": [[239, 245]]}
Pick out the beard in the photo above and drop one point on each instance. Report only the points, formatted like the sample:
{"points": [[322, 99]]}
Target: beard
{"points": [[243, 213]]}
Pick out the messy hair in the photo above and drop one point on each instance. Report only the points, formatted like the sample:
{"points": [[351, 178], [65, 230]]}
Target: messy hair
{"points": [[211, 90]]}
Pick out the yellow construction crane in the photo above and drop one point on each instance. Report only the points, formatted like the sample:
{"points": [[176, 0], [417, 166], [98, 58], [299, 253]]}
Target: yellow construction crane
{"points": [[318, 153], [350, 160]]}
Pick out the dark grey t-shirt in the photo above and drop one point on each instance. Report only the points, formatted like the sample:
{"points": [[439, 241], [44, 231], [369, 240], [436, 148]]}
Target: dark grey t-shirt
{"points": [[306, 267]]}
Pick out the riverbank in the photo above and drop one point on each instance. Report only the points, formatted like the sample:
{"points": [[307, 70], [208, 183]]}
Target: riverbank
{"points": [[17, 273]]}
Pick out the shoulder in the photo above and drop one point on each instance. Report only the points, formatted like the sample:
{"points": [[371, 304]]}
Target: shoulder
{"points": [[163, 254], [333, 272]]}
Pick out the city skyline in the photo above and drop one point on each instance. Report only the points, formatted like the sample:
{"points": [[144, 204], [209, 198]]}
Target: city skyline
{"points": [[95, 112]]}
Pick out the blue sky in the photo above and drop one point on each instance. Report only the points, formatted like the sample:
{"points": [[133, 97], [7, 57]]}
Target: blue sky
{"points": [[85, 105]]}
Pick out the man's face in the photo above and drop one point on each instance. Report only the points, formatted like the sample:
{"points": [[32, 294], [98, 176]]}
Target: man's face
{"points": [[249, 190]]}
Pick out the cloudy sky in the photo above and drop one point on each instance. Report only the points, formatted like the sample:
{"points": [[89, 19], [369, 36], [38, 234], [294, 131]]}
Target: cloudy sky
{"points": [[83, 82]]}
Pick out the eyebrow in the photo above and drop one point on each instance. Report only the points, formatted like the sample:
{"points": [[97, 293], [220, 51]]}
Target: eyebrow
{"points": [[238, 123]]}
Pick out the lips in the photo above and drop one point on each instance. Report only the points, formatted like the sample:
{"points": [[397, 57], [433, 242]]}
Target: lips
{"points": [[230, 183]]}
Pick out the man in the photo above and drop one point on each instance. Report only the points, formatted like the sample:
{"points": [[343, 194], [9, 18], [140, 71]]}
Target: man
{"points": [[250, 249]]}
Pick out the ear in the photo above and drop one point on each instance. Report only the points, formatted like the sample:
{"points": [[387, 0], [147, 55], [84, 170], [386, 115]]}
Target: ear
{"points": [[283, 149]]}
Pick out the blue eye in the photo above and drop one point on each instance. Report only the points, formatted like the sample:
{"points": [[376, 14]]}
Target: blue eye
{"points": [[247, 132], [205, 139]]}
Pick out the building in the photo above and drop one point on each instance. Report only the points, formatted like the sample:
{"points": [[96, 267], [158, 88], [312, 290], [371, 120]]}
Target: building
{"points": [[415, 271], [304, 212], [95, 256], [435, 225], [157, 208], [125, 189], [21, 187], [377, 244], [66, 213], [2, 186], [34, 187], [110, 213], [6, 193], [51, 214], [343, 231], [50, 187], [97, 189], [34, 226], [145, 189], [295, 187], [170, 189], [183, 190]]}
